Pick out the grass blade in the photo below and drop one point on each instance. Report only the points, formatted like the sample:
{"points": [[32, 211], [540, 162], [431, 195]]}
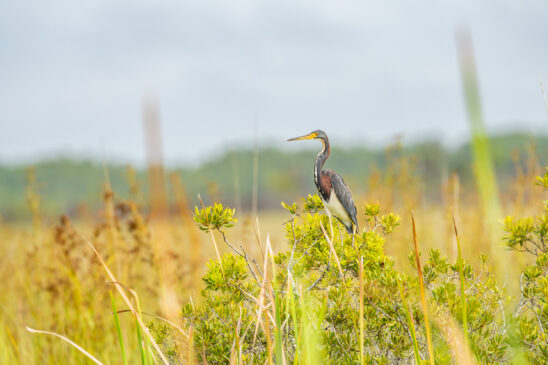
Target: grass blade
{"points": [[422, 293], [483, 163], [118, 329], [191, 346], [311, 320], [292, 308], [453, 336], [140, 342], [130, 305], [329, 241], [278, 330], [75, 345], [362, 359], [408, 310], [277, 300], [462, 292]]}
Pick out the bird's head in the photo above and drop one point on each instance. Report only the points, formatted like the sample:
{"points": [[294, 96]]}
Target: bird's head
{"points": [[317, 134]]}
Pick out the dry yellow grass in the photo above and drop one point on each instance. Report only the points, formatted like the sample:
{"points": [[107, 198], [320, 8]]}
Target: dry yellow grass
{"points": [[52, 280]]}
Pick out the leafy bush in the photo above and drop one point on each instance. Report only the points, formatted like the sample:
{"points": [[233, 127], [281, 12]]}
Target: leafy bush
{"points": [[530, 235], [337, 298]]}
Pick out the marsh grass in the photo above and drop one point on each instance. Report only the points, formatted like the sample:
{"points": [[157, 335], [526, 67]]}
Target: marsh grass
{"points": [[462, 285], [118, 330], [422, 293], [72, 343], [411, 323], [60, 283]]}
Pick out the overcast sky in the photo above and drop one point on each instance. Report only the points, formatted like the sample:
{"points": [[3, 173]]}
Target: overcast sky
{"points": [[73, 74]]}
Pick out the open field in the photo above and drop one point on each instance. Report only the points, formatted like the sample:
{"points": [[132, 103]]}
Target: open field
{"points": [[53, 280]]}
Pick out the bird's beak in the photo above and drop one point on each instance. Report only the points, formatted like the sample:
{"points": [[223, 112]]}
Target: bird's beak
{"points": [[307, 136]]}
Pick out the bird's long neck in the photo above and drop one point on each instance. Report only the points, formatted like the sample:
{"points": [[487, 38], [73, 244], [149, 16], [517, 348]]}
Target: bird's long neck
{"points": [[320, 160]]}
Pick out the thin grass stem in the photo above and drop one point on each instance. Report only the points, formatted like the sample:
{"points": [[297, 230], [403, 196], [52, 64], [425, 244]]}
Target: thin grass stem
{"points": [[422, 293], [361, 320], [131, 307], [462, 285], [74, 344], [411, 322], [118, 329]]}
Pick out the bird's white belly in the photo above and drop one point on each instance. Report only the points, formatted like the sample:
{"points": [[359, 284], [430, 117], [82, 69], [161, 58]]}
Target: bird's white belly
{"points": [[334, 206]]}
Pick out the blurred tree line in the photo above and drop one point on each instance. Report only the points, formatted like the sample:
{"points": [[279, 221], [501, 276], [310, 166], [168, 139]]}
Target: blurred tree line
{"points": [[75, 187]]}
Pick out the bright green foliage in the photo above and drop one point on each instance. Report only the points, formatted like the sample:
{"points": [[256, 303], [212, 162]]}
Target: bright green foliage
{"points": [[313, 203], [371, 211], [389, 222], [227, 314], [311, 265], [529, 235], [118, 329], [484, 303], [216, 217], [291, 208], [230, 278], [163, 336], [543, 180], [519, 232], [313, 299]]}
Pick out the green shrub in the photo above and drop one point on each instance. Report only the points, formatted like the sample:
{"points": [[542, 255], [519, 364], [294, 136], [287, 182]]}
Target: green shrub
{"points": [[306, 305], [530, 235]]}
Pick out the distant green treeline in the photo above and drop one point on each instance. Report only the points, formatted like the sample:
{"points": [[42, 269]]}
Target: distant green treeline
{"points": [[69, 186]]}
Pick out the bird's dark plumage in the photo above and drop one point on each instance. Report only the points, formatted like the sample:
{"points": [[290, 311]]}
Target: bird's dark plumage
{"points": [[343, 194], [332, 188]]}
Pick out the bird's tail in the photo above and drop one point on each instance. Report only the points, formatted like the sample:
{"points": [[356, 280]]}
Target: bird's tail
{"points": [[353, 228]]}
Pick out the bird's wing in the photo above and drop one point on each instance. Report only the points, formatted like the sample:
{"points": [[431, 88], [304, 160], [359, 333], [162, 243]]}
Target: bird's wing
{"points": [[343, 194]]}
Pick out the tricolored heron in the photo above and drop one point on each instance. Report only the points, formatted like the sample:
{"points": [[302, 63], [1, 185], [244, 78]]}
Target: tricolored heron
{"points": [[335, 194]]}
